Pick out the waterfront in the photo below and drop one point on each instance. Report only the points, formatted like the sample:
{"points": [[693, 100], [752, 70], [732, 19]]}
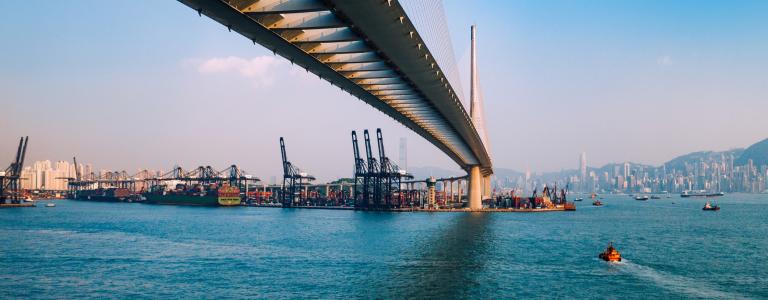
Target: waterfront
{"points": [[128, 250]]}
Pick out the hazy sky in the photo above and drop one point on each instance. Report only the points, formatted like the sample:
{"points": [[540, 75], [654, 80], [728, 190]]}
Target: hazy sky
{"points": [[129, 84]]}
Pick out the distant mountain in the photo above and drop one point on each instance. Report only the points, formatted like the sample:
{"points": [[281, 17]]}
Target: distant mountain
{"points": [[420, 173], [611, 167], [758, 153], [425, 172], [679, 162], [504, 173]]}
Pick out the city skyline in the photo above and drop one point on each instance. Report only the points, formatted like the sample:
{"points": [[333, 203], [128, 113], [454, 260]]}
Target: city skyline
{"points": [[125, 95], [41, 174]]}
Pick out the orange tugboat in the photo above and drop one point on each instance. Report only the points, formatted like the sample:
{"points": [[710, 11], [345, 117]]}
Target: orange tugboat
{"points": [[708, 206], [610, 254]]}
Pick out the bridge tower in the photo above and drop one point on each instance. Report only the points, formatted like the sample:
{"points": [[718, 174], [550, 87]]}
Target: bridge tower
{"points": [[479, 186]]}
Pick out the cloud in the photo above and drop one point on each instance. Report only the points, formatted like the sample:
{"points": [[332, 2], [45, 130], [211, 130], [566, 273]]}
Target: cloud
{"points": [[664, 60], [263, 70]]}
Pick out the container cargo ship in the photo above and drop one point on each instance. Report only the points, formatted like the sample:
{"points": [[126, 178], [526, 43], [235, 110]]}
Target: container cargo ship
{"points": [[103, 195], [196, 195]]}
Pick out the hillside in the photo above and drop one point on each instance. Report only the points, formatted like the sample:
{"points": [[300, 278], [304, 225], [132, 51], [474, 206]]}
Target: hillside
{"points": [[758, 153], [678, 163]]}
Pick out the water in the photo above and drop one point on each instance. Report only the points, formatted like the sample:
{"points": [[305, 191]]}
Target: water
{"points": [[121, 250]]}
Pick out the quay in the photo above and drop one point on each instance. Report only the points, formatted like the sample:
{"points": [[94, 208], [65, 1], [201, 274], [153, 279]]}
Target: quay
{"points": [[12, 205], [377, 184], [429, 210]]}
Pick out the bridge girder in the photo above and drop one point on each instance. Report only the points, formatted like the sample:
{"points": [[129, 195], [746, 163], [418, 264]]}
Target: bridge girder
{"points": [[368, 48]]}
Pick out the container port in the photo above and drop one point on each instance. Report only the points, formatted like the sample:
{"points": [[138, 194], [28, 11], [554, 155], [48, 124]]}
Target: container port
{"points": [[376, 184]]}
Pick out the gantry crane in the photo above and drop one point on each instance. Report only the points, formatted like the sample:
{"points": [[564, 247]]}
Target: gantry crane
{"points": [[10, 179], [361, 175], [291, 177], [390, 176]]}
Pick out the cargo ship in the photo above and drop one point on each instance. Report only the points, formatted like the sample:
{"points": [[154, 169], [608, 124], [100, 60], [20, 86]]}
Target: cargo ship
{"points": [[103, 195], [210, 194]]}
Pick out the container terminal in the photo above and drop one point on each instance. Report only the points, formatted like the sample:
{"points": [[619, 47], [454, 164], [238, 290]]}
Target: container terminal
{"points": [[377, 184]]}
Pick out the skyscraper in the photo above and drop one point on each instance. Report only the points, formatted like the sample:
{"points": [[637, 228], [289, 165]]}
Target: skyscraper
{"points": [[583, 171], [626, 169]]}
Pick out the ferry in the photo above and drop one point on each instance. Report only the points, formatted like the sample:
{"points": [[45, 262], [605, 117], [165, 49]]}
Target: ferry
{"points": [[700, 193], [709, 206], [610, 254], [641, 197]]}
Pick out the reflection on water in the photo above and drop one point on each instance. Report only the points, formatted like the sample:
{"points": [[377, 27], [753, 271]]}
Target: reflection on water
{"points": [[448, 264]]}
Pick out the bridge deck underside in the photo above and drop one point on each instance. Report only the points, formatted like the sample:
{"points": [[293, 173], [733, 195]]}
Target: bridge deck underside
{"points": [[369, 49]]}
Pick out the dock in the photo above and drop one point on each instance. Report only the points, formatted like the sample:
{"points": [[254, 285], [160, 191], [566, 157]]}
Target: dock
{"points": [[428, 210], [12, 205], [468, 210]]}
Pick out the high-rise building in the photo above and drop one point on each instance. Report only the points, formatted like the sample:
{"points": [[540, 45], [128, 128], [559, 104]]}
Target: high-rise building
{"points": [[43, 175], [583, 171], [626, 170]]}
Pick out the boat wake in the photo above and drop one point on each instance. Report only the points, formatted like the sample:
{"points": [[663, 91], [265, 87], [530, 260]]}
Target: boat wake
{"points": [[676, 283]]}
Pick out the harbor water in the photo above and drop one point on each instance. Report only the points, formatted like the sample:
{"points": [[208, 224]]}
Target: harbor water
{"points": [[671, 249]]}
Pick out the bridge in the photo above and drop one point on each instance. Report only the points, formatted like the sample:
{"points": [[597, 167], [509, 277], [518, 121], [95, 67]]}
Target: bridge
{"points": [[372, 50]]}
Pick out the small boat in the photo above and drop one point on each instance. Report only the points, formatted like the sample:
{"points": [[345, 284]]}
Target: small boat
{"points": [[610, 254], [597, 203], [709, 206], [50, 204], [641, 197], [28, 199], [655, 197], [578, 199]]}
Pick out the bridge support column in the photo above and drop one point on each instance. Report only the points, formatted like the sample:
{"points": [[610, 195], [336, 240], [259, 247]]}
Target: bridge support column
{"points": [[460, 192], [487, 187], [475, 188]]}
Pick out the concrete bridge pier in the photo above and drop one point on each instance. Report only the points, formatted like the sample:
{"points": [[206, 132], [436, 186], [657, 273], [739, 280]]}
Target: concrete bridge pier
{"points": [[459, 193], [487, 187], [475, 188]]}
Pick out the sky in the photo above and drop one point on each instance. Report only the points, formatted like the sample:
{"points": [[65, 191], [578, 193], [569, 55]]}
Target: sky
{"points": [[135, 84]]}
